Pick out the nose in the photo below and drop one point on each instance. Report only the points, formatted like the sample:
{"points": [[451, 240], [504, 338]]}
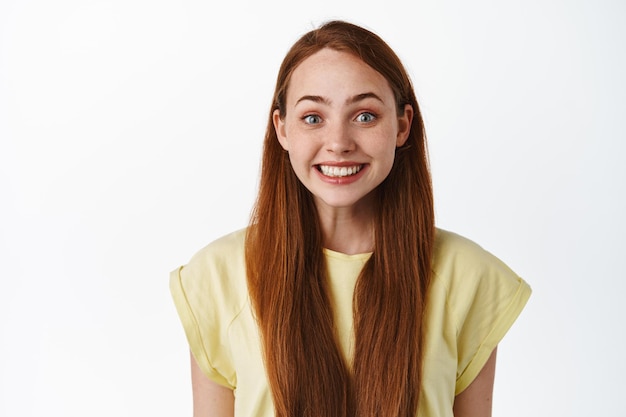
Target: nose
{"points": [[339, 140]]}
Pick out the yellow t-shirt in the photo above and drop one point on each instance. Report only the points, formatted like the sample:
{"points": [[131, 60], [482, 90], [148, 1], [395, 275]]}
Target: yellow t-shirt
{"points": [[473, 300]]}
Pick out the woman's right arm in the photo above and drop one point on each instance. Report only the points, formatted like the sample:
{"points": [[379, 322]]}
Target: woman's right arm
{"points": [[209, 398]]}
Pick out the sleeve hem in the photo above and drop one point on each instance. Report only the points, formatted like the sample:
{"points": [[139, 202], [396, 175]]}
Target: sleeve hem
{"points": [[501, 327], [192, 329]]}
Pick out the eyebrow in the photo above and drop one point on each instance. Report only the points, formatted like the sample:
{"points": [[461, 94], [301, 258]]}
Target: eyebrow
{"points": [[351, 100]]}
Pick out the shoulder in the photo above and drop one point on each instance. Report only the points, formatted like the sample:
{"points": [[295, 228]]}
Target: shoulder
{"points": [[216, 273], [222, 251], [224, 246], [470, 277], [451, 246], [455, 255]]}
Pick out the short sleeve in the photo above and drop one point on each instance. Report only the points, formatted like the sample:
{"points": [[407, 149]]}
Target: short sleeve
{"points": [[191, 312], [208, 294], [485, 298]]}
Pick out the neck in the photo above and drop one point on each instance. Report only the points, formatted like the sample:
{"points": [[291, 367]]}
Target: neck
{"points": [[347, 230]]}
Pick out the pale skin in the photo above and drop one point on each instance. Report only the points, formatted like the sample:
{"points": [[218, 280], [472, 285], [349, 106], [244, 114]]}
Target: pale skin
{"points": [[341, 114]]}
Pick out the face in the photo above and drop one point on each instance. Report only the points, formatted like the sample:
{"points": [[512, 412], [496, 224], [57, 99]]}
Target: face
{"points": [[341, 128]]}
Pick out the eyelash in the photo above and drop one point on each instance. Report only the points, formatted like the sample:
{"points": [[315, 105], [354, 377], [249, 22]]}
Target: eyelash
{"points": [[370, 114], [308, 117]]}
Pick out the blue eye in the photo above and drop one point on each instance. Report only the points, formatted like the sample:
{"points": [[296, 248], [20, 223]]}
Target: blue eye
{"points": [[365, 117], [312, 119]]}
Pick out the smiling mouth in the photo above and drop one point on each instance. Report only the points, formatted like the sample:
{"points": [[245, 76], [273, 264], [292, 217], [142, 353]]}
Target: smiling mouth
{"points": [[334, 171]]}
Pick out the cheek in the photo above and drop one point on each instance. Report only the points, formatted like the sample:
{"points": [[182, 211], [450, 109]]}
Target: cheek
{"points": [[301, 146], [386, 148], [300, 168], [299, 158], [387, 156]]}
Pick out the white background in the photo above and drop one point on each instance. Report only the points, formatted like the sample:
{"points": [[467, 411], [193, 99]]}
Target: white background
{"points": [[130, 135]]}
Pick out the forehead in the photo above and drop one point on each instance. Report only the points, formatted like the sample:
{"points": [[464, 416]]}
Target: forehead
{"points": [[334, 73]]}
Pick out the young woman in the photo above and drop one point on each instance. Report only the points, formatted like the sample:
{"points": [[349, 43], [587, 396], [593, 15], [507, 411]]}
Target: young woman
{"points": [[342, 298]]}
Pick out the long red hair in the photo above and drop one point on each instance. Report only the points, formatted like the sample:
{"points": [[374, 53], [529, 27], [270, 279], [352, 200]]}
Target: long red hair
{"points": [[287, 275]]}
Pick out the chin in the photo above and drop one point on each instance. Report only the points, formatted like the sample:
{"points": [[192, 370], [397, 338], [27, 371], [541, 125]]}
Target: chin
{"points": [[343, 202]]}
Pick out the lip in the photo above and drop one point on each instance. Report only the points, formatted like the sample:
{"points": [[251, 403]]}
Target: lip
{"points": [[340, 163]]}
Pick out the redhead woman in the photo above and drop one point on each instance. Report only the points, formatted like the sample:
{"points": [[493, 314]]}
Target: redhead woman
{"points": [[342, 298]]}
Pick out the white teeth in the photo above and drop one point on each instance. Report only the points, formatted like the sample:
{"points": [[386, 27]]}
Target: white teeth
{"points": [[331, 171]]}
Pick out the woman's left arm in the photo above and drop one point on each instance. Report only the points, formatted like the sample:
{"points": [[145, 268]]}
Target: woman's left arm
{"points": [[476, 400]]}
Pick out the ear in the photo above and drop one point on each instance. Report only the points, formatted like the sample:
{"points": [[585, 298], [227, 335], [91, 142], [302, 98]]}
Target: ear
{"points": [[279, 127], [404, 125]]}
